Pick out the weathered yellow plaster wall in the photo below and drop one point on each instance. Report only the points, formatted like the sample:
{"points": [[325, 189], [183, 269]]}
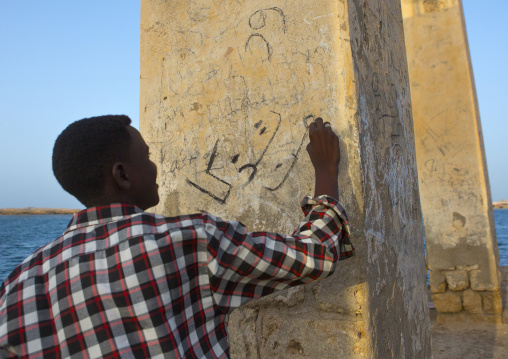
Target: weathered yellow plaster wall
{"points": [[454, 187], [228, 89]]}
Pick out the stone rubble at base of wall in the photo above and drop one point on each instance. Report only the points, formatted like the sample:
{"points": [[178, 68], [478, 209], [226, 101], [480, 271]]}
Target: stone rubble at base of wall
{"points": [[460, 289]]}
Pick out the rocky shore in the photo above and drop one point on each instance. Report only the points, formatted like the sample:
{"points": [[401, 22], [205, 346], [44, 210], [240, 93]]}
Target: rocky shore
{"points": [[32, 210]]}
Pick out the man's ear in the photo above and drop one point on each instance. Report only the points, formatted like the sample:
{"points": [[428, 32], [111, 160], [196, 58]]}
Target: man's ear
{"points": [[120, 176]]}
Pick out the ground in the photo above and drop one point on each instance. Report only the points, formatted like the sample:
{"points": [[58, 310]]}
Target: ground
{"points": [[468, 340]]}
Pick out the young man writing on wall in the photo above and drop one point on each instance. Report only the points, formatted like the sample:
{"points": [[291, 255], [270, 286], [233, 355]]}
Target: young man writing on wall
{"points": [[123, 282]]}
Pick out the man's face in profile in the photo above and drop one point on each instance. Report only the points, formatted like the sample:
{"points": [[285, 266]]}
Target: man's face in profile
{"points": [[142, 172]]}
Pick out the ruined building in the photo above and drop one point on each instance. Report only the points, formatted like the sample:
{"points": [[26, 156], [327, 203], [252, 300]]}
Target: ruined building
{"points": [[228, 89]]}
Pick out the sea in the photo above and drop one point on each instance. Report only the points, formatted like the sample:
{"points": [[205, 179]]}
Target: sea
{"points": [[21, 235]]}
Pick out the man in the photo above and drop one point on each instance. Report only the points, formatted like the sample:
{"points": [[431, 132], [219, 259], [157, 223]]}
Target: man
{"points": [[122, 282]]}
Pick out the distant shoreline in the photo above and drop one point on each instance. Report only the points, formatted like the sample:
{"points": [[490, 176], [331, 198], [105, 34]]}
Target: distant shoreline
{"points": [[32, 210], [500, 205]]}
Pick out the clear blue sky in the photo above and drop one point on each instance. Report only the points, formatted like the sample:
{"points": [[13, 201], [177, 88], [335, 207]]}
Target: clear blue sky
{"points": [[64, 60]]}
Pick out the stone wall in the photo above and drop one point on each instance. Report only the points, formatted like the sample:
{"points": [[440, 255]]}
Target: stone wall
{"points": [[461, 288], [454, 187], [227, 91]]}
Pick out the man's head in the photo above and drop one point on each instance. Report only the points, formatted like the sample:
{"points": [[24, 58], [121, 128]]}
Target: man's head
{"points": [[102, 160]]}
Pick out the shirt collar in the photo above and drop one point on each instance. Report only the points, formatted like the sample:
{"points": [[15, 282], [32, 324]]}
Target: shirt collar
{"points": [[101, 214]]}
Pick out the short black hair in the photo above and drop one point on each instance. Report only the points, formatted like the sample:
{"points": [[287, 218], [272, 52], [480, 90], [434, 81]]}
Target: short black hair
{"points": [[86, 150]]}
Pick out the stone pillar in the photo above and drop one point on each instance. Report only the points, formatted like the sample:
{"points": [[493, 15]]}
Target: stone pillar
{"points": [[228, 89], [454, 187]]}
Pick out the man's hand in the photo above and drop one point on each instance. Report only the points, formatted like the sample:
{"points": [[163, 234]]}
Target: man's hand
{"points": [[324, 154]]}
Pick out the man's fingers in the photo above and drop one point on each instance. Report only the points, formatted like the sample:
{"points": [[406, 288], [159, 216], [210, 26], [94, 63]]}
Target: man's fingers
{"points": [[312, 127], [318, 124], [315, 125]]}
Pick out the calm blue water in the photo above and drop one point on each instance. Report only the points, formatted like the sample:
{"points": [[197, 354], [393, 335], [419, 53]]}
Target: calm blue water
{"points": [[20, 236], [501, 219]]}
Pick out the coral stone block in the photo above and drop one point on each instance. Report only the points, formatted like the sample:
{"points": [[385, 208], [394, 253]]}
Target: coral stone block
{"points": [[457, 280], [472, 301], [492, 302], [448, 302], [437, 282]]}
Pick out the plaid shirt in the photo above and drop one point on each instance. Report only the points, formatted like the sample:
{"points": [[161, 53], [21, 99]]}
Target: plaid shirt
{"points": [[122, 282]]}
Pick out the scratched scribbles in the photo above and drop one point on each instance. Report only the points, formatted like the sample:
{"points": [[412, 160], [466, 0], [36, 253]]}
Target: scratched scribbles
{"points": [[258, 19], [216, 197], [224, 13], [386, 103], [263, 23], [306, 120], [247, 89], [262, 38], [252, 167], [257, 22]]}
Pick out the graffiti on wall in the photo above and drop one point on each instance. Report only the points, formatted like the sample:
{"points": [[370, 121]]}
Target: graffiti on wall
{"points": [[250, 105]]}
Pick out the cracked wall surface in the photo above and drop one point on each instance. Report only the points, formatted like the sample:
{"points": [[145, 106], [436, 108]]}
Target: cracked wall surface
{"points": [[228, 89]]}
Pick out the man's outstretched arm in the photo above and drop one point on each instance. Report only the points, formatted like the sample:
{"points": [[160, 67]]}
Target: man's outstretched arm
{"points": [[243, 266]]}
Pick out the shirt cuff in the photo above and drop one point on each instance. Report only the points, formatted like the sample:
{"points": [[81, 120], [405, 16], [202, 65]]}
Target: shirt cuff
{"points": [[308, 203]]}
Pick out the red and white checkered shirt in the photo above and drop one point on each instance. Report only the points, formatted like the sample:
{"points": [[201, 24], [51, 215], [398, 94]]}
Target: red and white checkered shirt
{"points": [[122, 282]]}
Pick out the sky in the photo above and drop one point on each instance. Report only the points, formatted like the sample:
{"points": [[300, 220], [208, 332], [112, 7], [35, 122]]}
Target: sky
{"points": [[64, 60]]}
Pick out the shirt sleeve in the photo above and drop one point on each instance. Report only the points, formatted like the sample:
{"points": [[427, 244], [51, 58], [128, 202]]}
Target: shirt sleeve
{"points": [[243, 266]]}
